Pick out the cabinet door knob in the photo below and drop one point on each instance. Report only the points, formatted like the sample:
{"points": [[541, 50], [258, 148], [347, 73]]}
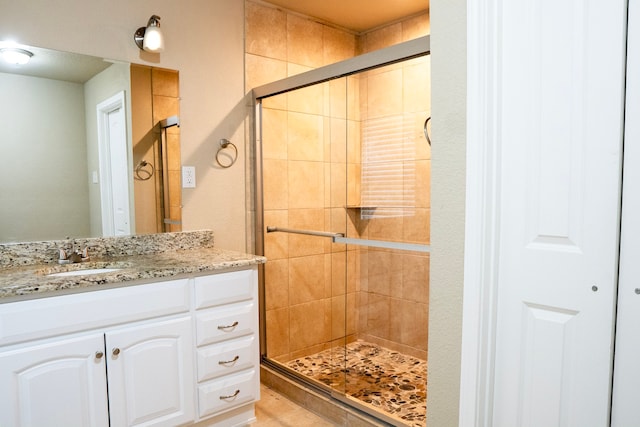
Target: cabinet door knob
{"points": [[233, 325], [115, 351], [99, 354], [230, 396]]}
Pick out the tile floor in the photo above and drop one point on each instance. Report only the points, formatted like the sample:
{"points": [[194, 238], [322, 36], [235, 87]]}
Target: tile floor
{"points": [[274, 410], [385, 379]]}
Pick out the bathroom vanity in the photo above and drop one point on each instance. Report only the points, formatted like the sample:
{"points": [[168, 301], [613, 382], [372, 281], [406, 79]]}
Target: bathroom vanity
{"points": [[158, 339]]}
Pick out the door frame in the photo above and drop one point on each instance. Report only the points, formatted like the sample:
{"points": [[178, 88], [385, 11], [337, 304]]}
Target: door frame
{"points": [[103, 110], [479, 307], [625, 393]]}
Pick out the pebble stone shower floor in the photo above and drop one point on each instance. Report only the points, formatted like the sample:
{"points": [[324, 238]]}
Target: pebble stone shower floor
{"points": [[386, 380]]}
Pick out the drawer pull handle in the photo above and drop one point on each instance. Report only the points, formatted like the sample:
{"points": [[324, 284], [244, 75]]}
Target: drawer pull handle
{"points": [[228, 326], [231, 396], [227, 362]]}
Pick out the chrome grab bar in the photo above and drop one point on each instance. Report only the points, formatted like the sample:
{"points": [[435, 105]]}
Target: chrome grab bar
{"points": [[271, 229]]}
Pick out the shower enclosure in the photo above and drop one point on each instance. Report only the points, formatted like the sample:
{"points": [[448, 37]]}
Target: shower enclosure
{"points": [[342, 215]]}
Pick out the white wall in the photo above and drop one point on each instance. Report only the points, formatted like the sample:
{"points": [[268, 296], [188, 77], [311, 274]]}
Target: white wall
{"points": [[204, 41], [448, 154], [42, 160], [104, 85]]}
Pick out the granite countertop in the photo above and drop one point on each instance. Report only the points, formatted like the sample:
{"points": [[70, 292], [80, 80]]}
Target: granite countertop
{"points": [[32, 280], [20, 282]]}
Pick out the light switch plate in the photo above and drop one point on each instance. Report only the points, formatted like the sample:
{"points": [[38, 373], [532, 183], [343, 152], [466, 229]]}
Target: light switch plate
{"points": [[188, 177]]}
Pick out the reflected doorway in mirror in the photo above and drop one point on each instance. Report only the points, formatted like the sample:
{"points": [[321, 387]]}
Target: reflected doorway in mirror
{"points": [[114, 176]]}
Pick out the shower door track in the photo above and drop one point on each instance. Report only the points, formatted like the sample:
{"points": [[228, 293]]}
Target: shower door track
{"points": [[387, 56], [379, 58], [323, 389]]}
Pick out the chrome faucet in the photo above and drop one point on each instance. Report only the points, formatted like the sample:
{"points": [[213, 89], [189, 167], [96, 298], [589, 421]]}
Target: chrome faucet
{"points": [[72, 256]]}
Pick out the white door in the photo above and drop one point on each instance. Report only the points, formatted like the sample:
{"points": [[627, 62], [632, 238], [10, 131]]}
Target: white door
{"points": [[55, 384], [114, 166], [561, 68], [626, 380], [150, 374], [119, 172]]}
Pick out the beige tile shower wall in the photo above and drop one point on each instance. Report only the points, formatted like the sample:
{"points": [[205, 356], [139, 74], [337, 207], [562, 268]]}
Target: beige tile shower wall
{"points": [[304, 155], [305, 137], [393, 302]]}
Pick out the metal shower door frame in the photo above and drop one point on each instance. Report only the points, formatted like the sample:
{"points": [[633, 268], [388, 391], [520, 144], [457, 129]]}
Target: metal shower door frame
{"points": [[394, 54]]}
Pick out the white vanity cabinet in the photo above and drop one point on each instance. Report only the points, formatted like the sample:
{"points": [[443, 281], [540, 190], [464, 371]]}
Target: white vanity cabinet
{"points": [[57, 383], [150, 374], [227, 343], [171, 353], [147, 370]]}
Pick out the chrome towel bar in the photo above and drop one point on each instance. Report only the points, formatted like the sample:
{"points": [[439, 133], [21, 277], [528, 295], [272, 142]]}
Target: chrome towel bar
{"points": [[271, 229], [340, 238]]}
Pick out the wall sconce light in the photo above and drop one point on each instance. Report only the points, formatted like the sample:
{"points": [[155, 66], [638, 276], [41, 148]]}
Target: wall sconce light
{"points": [[150, 38], [15, 56]]}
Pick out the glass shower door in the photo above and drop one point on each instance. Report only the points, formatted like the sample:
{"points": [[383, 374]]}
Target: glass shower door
{"points": [[387, 238], [303, 144], [345, 168]]}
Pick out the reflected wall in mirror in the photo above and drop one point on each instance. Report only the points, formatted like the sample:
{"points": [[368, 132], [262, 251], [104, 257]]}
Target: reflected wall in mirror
{"points": [[155, 128], [50, 175]]}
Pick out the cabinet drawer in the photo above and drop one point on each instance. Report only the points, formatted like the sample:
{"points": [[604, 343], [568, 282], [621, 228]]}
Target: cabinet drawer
{"points": [[219, 289], [227, 392], [227, 357], [226, 322], [28, 320]]}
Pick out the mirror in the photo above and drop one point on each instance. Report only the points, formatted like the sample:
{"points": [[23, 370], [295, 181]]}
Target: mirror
{"points": [[55, 144]]}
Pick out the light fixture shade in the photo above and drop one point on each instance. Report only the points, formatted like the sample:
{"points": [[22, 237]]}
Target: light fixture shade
{"points": [[153, 40], [150, 38], [16, 56]]}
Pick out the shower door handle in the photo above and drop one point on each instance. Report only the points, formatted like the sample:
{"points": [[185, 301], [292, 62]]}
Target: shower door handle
{"points": [[426, 131], [328, 234]]}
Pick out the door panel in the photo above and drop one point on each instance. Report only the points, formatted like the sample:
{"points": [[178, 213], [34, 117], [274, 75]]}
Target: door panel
{"points": [[55, 384], [561, 114], [114, 166], [119, 171], [626, 393], [150, 374]]}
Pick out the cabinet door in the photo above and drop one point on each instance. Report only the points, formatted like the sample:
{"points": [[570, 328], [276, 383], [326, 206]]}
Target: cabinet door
{"points": [[61, 383], [150, 374]]}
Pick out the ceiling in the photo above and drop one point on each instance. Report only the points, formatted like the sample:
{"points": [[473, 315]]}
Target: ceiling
{"points": [[355, 15], [53, 64]]}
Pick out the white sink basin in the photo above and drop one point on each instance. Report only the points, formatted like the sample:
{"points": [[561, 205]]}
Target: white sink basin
{"points": [[86, 272]]}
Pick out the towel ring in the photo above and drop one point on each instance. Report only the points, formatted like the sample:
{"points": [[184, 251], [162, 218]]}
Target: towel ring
{"points": [[426, 132], [224, 143], [141, 173]]}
